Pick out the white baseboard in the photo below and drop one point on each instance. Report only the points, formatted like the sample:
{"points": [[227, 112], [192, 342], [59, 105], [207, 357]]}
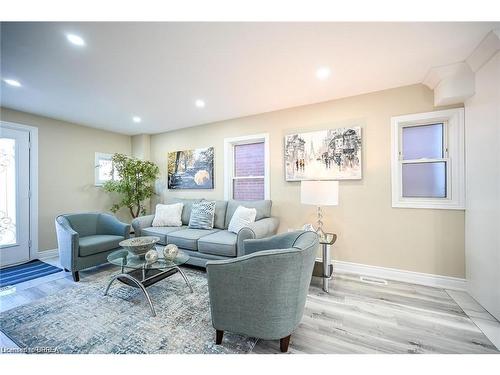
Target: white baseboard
{"points": [[47, 254], [438, 281]]}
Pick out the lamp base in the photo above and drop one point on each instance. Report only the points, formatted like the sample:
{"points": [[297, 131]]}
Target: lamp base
{"points": [[320, 233], [319, 229]]}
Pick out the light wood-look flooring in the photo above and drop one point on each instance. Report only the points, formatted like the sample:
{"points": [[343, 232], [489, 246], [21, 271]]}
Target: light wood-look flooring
{"points": [[355, 317]]}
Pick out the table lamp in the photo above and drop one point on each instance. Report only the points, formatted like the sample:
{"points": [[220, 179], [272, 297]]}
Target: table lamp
{"points": [[319, 193]]}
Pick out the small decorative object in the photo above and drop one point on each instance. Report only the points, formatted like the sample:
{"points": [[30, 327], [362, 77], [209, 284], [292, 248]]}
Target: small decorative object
{"points": [[308, 227], [191, 169], [319, 193], [170, 251], [139, 245], [333, 154], [151, 256]]}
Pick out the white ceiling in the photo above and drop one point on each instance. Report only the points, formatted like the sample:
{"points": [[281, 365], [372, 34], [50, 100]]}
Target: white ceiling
{"points": [[158, 70]]}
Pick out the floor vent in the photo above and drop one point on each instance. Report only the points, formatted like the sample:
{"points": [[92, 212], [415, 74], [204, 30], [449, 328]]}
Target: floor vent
{"points": [[373, 280]]}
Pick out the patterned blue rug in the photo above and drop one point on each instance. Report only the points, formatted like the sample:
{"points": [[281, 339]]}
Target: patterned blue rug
{"points": [[24, 272], [80, 319]]}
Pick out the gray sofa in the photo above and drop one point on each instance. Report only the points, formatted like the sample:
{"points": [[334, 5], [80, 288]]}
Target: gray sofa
{"points": [[218, 243]]}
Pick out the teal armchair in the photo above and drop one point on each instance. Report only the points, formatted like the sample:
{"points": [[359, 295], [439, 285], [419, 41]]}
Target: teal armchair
{"points": [[263, 293], [85, 240]]}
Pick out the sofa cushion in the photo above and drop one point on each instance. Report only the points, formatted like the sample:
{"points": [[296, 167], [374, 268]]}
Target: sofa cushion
{"points": [[263, 208], [160, 232], [168, 215], [85, 224], [242, 217], [202, 215], [220, 214], [90, 245], [186, 210], [220, 243], [188, 238]]}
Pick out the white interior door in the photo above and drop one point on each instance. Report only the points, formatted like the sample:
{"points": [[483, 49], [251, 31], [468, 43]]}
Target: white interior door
{"points": [[14, 196]]}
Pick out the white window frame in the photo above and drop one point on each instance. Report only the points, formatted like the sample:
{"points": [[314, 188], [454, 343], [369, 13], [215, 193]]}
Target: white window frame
{"points": [[453, 142], [229, 144], [100, 156]]}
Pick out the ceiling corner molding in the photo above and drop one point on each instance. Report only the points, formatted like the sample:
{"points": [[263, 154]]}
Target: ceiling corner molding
{"points": [[452, 84], [488, 47]]}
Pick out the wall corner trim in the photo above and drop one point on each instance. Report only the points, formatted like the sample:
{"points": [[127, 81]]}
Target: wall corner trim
{"points": [[427, 279], [488, 47], [455, 83], [452, 84]]}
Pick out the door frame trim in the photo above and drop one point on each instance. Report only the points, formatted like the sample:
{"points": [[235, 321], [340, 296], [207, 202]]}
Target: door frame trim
{"points": [[33, 177]]}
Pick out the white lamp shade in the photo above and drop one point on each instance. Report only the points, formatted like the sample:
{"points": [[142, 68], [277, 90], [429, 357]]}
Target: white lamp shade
{"points": [[319, 193]]}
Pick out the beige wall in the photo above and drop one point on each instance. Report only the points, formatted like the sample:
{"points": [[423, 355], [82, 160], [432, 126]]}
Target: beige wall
{"points": [[141, 146], [66, 169], [369, 230]]}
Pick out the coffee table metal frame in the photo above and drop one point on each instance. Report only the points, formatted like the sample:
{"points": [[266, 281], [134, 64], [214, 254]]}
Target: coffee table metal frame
{"points": [[144, 277]]}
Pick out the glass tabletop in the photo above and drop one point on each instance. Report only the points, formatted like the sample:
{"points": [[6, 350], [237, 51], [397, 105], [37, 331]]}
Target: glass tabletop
{"points": [[127, 259]]}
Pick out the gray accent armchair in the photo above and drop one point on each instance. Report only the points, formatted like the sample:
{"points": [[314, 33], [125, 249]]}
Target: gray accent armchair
{"points": [[85, 240], [263, 293]]}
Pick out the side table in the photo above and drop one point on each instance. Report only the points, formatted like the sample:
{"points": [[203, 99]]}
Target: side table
{"points": [[325, 269]]}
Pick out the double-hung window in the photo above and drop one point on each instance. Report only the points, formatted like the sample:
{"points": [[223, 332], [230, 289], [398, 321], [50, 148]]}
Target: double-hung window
{"points": [[428, 160], [246, 169], [104, 170]]}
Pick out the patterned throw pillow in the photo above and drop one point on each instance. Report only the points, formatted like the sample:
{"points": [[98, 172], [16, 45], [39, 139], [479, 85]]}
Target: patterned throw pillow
{"points": [[241, 218], [202, 215]]}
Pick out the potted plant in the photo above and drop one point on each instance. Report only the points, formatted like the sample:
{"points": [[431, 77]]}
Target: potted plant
{"points": [[134, 184]]}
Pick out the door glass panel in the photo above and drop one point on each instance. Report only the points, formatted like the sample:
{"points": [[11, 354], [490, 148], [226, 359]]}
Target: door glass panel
{"points": [[425, 180], [8, 233], [425, 141]]}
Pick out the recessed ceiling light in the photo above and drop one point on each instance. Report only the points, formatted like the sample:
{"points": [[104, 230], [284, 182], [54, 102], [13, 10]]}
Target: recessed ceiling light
{"points": [[323, 73], [199, 103], [136, 119], [75, 39], [12, 82]]}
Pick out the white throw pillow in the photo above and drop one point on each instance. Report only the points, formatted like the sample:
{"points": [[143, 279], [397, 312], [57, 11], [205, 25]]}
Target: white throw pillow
{"points": [[241, 218], [168, 215]]}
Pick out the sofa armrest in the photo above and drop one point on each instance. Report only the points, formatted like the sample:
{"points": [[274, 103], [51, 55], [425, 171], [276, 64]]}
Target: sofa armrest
{"points": [[142, 222], [108, 224], [260, 229], [67, 243]]}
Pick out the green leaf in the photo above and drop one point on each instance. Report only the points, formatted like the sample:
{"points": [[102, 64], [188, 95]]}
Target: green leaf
{"points": [[135, 184]]}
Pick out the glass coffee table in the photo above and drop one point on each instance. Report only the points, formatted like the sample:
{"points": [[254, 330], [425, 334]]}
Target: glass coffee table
{"points": [[138, 273]]}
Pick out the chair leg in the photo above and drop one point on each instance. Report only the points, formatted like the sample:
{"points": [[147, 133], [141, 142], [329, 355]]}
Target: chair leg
{"points": [[66, 270], [76, 276], [218, 336], [284, 344]]}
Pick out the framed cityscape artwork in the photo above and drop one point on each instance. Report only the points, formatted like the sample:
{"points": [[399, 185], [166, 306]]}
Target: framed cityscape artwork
{"points": [[333, 154]]}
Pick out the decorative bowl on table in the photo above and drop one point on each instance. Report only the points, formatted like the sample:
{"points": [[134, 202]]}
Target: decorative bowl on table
{"points": [[139, 245]]}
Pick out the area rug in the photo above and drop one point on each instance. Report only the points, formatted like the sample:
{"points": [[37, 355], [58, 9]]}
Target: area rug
{"points": [[24, 272], [81, 319]]}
